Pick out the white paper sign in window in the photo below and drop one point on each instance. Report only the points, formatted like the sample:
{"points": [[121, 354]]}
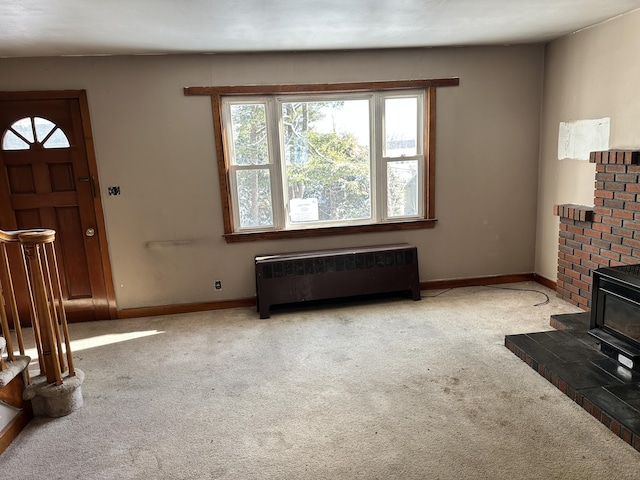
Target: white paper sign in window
{"points": [[303, 209]]}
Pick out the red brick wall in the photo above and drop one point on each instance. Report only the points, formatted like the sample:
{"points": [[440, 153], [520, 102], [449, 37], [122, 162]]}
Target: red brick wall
{"points": [[607, 234]]}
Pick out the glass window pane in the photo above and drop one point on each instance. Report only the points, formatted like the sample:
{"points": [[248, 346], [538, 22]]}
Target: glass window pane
{"points": [[254, 198], [23, 127], [57, 140], [327, 160], [13, 142], [401, 127], [43, 127], [402, 188], [249, 131]]}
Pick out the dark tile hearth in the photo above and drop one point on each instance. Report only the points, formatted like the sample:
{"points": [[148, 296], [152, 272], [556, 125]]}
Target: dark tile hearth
{"points": [[570, 358]]}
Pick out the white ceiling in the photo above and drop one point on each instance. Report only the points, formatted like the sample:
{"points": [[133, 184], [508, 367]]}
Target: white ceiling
{"points": [[111, 27]]}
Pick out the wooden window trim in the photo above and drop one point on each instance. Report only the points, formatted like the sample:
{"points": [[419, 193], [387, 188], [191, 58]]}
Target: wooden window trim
{"points": [[216, 93]]}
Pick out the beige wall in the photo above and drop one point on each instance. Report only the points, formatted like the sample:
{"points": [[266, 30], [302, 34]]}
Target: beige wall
{"points": [[158, 146], [588, 75]]}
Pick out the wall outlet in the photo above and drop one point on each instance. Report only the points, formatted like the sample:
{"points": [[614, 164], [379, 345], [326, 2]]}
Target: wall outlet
{"points": [[217, 285]]}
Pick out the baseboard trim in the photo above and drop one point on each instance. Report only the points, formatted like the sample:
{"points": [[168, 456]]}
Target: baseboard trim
{"points": [[184, 308], [477, 281], [251, 302], [545, 281]]}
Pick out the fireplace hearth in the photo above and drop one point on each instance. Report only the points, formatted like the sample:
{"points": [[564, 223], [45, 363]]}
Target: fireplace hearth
{"points": [[572, 360]]}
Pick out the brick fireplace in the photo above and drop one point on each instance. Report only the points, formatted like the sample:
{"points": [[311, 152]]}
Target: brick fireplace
{"points": [[589, 368], [605, 235]]}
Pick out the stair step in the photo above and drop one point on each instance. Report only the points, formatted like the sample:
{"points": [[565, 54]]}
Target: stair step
{"points": [[14, 368], [7, 414]]}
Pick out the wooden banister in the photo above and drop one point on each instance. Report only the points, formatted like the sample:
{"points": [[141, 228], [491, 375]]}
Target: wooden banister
{"points": [[46, 307], [5, 238]]}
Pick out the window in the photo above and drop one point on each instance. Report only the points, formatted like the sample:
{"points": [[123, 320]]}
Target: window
{"points": [[34, 130], [307, 161], [303, 160]]}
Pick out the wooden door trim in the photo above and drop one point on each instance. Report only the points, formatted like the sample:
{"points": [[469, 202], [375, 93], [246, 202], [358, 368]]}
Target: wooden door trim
{"points": [[97, 202], [81, 96], [42, 95]]}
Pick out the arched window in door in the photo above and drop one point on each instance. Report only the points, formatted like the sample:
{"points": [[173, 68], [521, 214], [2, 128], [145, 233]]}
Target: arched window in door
{"points": [[30, 131]]}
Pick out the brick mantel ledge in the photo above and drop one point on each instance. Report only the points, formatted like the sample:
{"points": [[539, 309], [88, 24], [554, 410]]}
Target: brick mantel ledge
{"points": [[580, 213], [617, 157]]}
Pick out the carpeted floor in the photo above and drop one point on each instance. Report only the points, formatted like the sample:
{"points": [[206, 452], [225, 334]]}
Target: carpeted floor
{"points": [[385, 389]]}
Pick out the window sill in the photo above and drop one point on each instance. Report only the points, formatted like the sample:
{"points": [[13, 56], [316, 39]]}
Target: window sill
{"points": [[327, 231]]}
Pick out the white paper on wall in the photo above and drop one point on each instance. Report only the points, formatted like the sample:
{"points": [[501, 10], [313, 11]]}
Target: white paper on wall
{"points": [[576, 140]]}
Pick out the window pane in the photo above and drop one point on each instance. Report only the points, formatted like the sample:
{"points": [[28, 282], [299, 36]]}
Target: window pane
{"points": [[327, 158], [402, 188], [13, 142], [249, 130], [24, 128], [43, 127], [254, 198], [401, 127], [57, 140]]}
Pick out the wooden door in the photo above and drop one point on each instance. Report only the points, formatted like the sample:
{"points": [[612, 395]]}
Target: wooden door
{"points": [[48, 179]]}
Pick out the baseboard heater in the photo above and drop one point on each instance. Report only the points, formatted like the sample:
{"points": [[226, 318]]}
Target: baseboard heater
{"points": [[327, 274]]}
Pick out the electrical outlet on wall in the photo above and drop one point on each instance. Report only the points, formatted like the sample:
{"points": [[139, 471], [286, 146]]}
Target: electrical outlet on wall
{"points": [[217, 285]]}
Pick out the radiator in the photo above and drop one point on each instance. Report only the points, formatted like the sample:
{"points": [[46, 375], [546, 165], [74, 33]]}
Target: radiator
{"points": [[324, 274]]}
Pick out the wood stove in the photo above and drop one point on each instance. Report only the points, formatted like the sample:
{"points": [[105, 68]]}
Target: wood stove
{"points": [[615, 313]]}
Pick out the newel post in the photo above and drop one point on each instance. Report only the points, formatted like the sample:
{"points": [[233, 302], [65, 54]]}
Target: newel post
{"points": [[33, 244], [56, 391]]}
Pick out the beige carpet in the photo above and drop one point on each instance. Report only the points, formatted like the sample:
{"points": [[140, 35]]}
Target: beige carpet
{"points": [[389, 389]]}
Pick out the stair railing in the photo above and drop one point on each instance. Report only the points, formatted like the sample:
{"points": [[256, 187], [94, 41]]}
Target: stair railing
{"points": [[9, 297], [46, 308]]}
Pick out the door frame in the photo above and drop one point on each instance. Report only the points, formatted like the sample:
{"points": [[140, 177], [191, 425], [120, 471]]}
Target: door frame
{"points": [[81, 96]]}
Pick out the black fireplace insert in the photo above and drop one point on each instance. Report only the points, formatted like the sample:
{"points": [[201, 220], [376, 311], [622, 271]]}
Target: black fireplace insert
{"points": [[615, 313]]}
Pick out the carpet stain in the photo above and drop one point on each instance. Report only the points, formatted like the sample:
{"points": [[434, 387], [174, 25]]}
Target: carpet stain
{"points": [[218, 473], [149, 461], [342, 357], [451, 388], [274, 440], [506, 395]]}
